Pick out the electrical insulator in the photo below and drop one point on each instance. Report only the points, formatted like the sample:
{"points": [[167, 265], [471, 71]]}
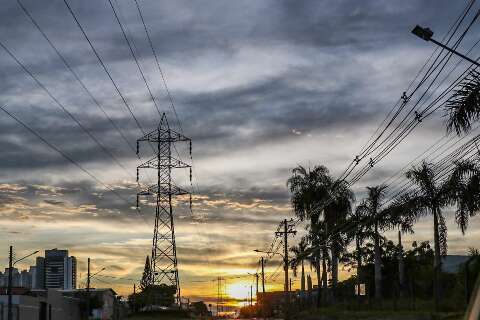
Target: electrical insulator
{"points": [[418, 116], [405, 98]]}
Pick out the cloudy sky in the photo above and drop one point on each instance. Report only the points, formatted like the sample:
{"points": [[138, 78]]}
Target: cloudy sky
{"points": [[259, 86]]}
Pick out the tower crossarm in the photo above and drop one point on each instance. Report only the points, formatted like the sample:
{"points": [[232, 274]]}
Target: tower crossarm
{"points": [[172, 163], [164, 135], [163, 190]]}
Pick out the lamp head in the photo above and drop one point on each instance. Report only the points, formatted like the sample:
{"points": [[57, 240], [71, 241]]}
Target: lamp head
{"points": [[423, 33]]}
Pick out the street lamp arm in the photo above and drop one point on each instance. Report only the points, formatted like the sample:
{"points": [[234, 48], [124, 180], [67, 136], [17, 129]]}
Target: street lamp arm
{"points": [[426, 34], [269, 252], [31, 254], [93, 275]]}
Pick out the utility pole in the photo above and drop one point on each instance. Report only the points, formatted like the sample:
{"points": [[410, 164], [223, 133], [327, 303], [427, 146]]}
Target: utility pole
{"points": [[218, 295], [164, 249], [88, 288], [11, 264], [9, 289], [263, 276], [256, 279], [287, 229]]}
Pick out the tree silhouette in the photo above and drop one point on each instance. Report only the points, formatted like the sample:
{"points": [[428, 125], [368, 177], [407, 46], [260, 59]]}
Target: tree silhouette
{"points": [[371, 209], [300, 255], [147, 275], [461, 187]]}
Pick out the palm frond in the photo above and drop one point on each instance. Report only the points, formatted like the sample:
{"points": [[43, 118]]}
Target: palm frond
{"points": [[424, 177], [463, 107]]}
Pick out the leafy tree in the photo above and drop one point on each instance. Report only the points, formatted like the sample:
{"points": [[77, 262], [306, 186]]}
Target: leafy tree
{"points": [[200, 308]]}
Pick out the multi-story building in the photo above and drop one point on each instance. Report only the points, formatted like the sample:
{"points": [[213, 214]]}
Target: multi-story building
{"points": [[33, 277], [16, 278], [70, 273], [40, 273], [25, 279], [60, 270], [54, 268]]}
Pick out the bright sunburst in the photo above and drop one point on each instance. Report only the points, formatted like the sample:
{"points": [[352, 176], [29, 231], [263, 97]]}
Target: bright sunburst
{"points": [[238, 290]]}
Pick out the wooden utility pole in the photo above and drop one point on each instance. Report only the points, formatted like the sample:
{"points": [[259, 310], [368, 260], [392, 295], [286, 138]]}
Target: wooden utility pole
{"points": [[256, 278], [88, 288], [287, 229], [263, 276], [10, 278]]}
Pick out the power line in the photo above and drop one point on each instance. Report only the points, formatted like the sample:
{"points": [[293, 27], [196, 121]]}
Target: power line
{"points": [[134, 56], [61, 106], [103, 66], [67, 157], [170, 97], [74, 73]]}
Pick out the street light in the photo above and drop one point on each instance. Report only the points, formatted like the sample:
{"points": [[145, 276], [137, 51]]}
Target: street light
{"points": [[11, 263], [93, 275], [427, 34], [268, 252], [88, 284]]}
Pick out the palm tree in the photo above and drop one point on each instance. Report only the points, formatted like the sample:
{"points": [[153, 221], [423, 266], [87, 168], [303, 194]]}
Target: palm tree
{"points": [[309, 188], [461, 187], [360, 232], [300, 256], [463, 107], [319, 257], [335, 216], [371, 209], [465, 187]]}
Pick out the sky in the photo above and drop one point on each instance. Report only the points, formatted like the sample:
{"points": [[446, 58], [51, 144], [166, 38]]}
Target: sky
{"points": [[259, 86]]}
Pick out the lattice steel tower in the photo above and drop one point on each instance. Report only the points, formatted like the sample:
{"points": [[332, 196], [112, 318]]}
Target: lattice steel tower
{"points": [[164, 251]]}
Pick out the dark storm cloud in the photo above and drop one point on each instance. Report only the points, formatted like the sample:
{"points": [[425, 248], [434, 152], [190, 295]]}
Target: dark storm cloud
{"points": [[280, 103]]}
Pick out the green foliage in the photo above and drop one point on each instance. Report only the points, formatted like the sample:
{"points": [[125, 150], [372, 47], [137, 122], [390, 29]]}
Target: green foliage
{"points": [[199, 308], [158, 295]]}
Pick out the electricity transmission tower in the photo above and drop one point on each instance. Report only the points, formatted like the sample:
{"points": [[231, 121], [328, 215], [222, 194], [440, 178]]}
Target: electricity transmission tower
{"points": [[164, 251], [221, 288]]}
